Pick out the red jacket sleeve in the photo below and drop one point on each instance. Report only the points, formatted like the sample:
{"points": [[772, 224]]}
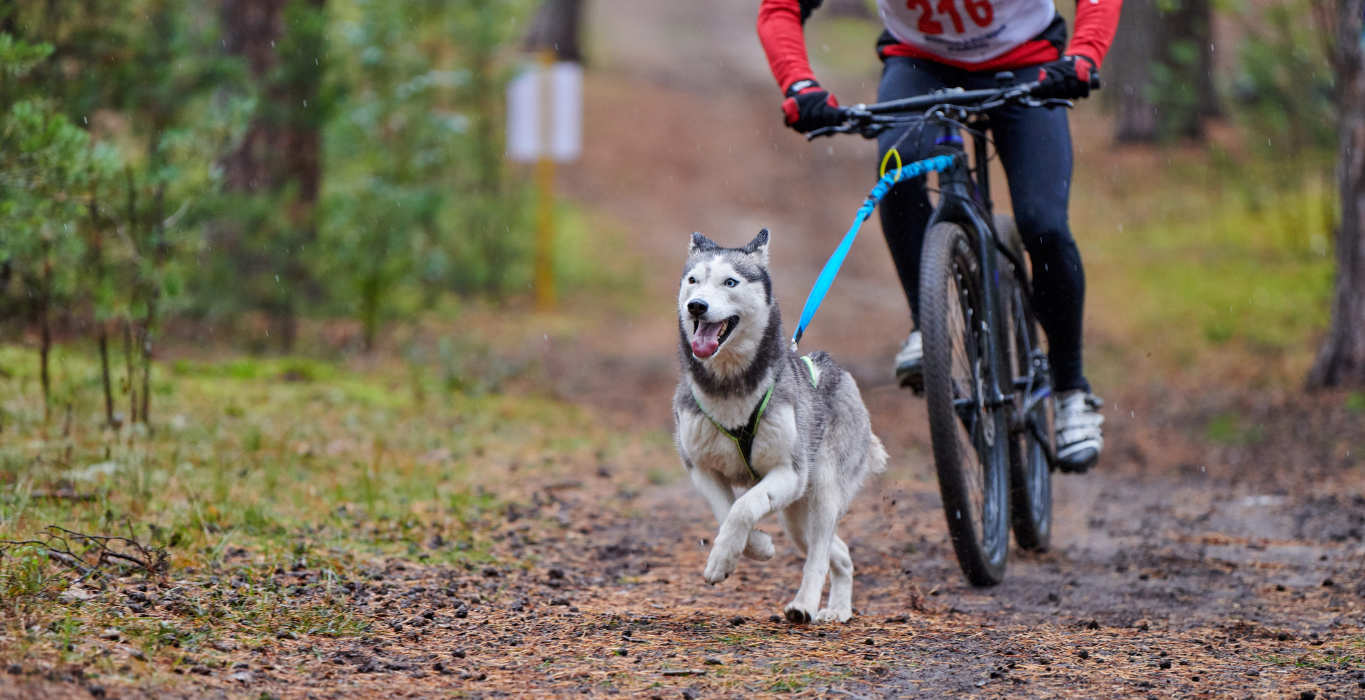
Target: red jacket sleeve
{"points": [[779, 28], [1096, 23]]}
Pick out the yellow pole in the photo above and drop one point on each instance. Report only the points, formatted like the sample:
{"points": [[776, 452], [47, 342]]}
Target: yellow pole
{"points": [[545, 184], [545, 233]]}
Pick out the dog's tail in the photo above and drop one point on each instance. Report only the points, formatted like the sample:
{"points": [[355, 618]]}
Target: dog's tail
{"points": [[876, 456]]}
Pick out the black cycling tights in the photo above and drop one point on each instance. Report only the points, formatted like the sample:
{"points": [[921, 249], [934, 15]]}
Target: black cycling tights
{"points": [[1034, 145]]}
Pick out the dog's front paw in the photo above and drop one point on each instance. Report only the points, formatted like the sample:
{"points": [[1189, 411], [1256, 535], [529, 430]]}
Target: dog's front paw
{"points": [[720, 564], [760, 546], [798, 613], [832, 615]]}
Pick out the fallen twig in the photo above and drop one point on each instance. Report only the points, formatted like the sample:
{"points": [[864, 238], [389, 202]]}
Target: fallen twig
{"points": [[56, 543]]}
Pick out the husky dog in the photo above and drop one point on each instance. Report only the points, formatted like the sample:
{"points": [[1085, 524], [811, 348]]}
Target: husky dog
{"points": [[749, 413]]}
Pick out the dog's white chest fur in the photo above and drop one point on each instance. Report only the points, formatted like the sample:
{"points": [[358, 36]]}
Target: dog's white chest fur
{"points": [[712, 450]]}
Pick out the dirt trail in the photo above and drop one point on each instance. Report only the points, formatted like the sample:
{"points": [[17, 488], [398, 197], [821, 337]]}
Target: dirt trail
{"points": [[1170, 533]]}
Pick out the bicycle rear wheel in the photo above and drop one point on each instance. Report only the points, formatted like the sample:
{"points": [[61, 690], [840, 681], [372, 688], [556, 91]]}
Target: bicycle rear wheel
{"points": [[970, 439], [1030, 472]]}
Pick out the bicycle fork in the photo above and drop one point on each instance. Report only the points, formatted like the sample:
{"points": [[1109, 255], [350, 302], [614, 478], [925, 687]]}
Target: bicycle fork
{"points": [[958, 196]]}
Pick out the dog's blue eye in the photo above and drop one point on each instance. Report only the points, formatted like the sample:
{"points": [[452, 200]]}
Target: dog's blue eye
{"points": [[731, 282]]}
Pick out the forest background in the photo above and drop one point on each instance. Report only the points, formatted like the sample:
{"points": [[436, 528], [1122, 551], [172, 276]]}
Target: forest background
{"points": [[223, 171], [265, 312]]}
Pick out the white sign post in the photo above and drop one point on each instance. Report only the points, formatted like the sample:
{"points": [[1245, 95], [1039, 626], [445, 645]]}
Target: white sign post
{"points": [[545, 126]]}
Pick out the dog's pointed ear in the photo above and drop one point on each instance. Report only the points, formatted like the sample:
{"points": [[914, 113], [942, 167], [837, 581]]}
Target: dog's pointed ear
{"points": [[758, 247], [701, 244]]}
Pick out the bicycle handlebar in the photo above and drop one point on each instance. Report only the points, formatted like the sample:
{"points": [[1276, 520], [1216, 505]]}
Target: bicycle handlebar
{"points": [[869, 120], [955, 97]]}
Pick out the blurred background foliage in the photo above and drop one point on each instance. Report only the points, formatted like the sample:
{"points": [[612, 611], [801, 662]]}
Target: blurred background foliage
{"points": [[248, 163], [224, 170]]}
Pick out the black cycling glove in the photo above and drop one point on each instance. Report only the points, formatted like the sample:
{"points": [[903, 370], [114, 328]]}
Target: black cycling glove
{"points": [[809, 107], [1067, 78]]}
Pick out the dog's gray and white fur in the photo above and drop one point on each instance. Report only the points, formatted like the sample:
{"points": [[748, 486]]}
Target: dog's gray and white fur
{"points": [[812, 450]]}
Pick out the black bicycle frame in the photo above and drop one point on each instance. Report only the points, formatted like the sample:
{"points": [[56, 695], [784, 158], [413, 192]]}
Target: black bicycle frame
{"points": [[963, 200]]}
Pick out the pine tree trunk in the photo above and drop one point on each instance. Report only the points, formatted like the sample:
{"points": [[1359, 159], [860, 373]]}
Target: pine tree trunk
{"points": [[1188, 35], [104, 374], [139, 287], [283, 144], [1341, 360], [556, 27], [129, 379], [45, 328], [159, 251], [484, 95], [1128, 71], [285, 149], [1159, 73], [97, 260]]}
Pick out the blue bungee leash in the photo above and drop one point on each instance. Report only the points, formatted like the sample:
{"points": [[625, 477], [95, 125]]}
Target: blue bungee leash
{"points": [[836, 260]]}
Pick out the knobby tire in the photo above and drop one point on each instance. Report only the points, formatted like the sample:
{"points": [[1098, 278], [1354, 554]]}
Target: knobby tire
{"points": [[971, 447]]}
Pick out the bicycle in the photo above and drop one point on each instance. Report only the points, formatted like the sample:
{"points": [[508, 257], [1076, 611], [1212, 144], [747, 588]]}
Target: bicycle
{"points": [[986, 378]]}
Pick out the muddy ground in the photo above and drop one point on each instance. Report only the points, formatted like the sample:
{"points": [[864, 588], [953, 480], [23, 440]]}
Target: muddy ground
{"points": [[1181, 567]]}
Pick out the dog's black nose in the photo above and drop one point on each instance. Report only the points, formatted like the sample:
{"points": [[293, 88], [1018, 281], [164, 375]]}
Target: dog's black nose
{"points": [[696, 307]]}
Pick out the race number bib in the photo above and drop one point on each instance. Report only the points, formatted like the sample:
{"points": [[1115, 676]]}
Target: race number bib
{"points": [[969, 31]]}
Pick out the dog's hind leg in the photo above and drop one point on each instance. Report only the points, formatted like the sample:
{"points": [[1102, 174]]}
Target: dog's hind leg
{"points": [[815, 521], [840, 607], [721, 498]]}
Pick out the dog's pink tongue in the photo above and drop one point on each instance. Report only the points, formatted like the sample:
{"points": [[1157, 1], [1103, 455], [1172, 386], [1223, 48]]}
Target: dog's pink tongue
{"points": [[706, 339]]}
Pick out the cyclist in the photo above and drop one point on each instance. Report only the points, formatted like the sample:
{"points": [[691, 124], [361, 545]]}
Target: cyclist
{"points": [[964, 43]]}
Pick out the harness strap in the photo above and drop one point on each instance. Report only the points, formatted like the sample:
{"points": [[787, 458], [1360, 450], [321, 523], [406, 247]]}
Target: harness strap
{"points": [[744, 440], [810, 365]]}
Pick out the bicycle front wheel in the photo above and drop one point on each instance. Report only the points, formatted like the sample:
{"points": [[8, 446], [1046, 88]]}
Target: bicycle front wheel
{"points": [[970, 438]]}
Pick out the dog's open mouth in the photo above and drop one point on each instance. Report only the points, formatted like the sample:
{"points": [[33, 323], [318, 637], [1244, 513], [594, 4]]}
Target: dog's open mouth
{"points": [[708, 335]]}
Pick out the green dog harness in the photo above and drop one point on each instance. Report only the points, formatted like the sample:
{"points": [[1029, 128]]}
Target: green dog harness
{"points": [[744, 437]]}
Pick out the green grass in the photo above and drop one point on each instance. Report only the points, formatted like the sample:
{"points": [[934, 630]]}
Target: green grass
{"points": [[1205, 270], [1232, 429], [1237, 283], [591, 259], [249, 467]]}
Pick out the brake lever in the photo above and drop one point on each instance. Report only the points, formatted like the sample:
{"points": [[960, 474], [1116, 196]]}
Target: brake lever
{"points": [[828, 131]]}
